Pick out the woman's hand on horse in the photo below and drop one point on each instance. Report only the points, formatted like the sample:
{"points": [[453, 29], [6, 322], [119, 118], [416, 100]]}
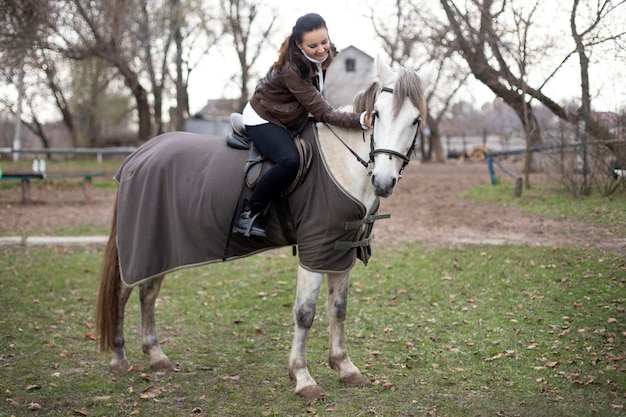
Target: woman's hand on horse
{"points": [[366, 121]]}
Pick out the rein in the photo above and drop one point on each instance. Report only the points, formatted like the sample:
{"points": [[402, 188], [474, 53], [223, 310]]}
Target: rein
{"points": [[356, 155], [373, 150]]}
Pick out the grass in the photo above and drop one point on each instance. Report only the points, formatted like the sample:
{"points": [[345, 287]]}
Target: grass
{"points": [[475, 331], [553, 201], [109, 166]]}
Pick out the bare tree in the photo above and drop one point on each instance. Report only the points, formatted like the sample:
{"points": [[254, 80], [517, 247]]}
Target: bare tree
{"points": [[182, 99], [106, 30], [193, 23], [23, 25], [479, 37], [407, 36], [146, 29], [586, 38], [250, 36], [60, 99], [134, 38]]}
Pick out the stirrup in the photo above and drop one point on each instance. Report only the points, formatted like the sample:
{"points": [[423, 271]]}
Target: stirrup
{"points": [[251, 229]]}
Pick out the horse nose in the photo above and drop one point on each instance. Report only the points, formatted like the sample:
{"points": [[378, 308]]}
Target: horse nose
{"points": [[383, 188]]}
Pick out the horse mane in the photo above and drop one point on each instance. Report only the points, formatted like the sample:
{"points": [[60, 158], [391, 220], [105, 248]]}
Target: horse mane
{"points": [[364, 101], [408, 85]]}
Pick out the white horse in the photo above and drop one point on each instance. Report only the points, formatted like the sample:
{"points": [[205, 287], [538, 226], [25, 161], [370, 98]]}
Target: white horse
{"points": [[362, 169]]}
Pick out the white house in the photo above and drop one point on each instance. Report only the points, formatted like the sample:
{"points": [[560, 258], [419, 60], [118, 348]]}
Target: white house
{"points": [[352, 71]]}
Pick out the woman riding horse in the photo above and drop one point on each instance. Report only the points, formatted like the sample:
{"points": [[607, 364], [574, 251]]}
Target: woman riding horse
{"points": [[279, 108]]}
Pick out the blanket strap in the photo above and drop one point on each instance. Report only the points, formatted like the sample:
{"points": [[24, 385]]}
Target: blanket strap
{"points": [[344, 245], [366, 220], [365, 241]]}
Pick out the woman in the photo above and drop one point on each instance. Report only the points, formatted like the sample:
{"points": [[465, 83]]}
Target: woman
{"points": [[279, 109]]}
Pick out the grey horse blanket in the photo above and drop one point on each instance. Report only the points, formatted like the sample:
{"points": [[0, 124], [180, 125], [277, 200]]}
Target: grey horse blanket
{"points": [[178, 194]]}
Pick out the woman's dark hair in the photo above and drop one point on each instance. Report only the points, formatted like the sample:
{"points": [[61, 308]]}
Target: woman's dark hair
{"points": [[289, 50]]}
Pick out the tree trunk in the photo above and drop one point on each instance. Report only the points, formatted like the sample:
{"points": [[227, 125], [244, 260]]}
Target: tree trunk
{"points": [[181, 110], [436, 149], [141, 98], [585, 108]]}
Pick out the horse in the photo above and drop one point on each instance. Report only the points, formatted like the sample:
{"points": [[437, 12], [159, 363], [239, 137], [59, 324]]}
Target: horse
{"points": [[173, 210]]}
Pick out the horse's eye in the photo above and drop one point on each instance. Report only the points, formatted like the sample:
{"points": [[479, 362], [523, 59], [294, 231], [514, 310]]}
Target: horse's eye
{"points": [[417, 121]]}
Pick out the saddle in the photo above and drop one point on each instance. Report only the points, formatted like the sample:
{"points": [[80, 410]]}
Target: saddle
{"points": [[238, 138]]}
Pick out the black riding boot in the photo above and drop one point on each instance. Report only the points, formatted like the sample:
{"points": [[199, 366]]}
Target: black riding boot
{"points": [[251, 221]]}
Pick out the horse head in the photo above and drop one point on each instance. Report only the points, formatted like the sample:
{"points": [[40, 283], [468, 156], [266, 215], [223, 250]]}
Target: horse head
{"points": [[399, 113]]}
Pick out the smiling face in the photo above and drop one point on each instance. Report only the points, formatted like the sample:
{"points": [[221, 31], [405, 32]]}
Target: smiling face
{"points": [[315, 44]]}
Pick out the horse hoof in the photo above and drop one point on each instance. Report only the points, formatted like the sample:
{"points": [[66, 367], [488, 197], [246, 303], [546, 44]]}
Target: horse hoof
{"points": [[355, 380], [162, 365], [312, 393], [119, 368]]}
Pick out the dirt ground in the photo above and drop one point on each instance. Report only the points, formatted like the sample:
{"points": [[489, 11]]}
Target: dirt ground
{"points": [[425, 208]]}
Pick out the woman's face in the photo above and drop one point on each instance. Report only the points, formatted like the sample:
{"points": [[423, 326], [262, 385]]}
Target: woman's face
{"points": [[316, 44]]}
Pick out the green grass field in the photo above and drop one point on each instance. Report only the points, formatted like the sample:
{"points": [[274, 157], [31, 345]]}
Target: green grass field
{"points": [[478, 331], [474, 331]]}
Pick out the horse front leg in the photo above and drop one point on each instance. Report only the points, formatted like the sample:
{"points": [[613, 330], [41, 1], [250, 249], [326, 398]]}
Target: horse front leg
{"points": [[337, 304], [148, 293], [307, 291]]}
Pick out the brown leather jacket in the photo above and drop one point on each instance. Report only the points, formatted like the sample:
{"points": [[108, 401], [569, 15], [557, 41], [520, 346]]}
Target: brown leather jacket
{"points": [[282, 97]]}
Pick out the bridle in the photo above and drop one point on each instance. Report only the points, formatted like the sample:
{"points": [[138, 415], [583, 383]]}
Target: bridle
{"points": [[373, 150], [404, 157]]}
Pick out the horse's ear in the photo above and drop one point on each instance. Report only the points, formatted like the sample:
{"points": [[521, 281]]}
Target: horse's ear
{"points": [[384, 72]]}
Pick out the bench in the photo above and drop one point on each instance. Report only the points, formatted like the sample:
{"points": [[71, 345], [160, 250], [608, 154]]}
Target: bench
{"points": [[25, 178]]}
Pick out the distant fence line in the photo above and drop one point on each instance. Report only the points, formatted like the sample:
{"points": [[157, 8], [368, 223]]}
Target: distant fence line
{"points": [[98, 152], [491, 158]]}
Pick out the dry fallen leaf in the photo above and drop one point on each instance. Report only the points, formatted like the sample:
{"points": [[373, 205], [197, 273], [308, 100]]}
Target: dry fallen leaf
{"points": [[151, 392], [102, 398], [493, 358], [390, 386]]}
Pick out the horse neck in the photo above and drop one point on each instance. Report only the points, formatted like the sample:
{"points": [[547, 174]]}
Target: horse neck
{"points": [[344, 168]]}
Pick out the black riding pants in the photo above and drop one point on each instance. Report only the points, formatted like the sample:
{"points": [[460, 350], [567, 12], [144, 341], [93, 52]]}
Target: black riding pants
{"points": [[276, 144]]}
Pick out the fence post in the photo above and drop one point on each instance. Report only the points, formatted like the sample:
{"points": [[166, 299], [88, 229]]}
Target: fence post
{"points": [[492, 173], [518, 187]]}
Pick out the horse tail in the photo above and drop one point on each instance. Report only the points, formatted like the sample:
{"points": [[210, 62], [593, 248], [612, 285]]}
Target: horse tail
{"points": [[108, 295]]}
